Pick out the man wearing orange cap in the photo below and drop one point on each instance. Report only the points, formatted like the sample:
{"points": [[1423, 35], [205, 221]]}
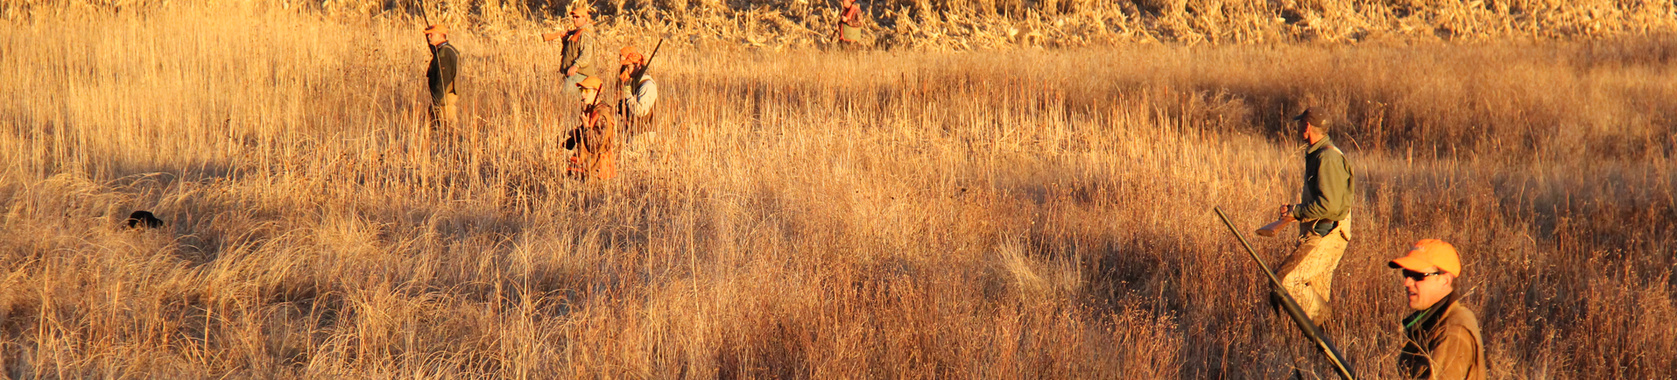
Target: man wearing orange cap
{"points": [[577, 48], [594, 142], [445, 62], [1441, 336], [640, 92]]}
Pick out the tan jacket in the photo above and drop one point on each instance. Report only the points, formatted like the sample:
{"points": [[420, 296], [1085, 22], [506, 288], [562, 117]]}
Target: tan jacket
{"points": [[1443, 345], [595, 144]]}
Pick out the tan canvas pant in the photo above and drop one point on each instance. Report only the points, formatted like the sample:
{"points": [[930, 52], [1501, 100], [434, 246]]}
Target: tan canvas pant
{"points": [[1307, 274], [447, 113], [850, 33]]}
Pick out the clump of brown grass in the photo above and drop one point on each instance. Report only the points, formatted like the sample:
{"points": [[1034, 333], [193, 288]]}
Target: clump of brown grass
{"points": [[882, 214]]}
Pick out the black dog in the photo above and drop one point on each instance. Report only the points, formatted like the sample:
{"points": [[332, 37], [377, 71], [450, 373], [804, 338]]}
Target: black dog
{"points": [[143, 219]]}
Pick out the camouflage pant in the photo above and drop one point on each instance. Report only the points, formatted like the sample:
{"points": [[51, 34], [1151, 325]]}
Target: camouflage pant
{"points": [[1308, 272]]}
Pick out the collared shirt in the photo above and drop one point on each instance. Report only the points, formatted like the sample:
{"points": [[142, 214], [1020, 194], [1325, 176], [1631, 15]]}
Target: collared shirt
{"points": [[1442, 342], [1329, 184]]}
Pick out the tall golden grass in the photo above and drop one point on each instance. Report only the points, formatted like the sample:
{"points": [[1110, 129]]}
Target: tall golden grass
{"points": [[980, 24], [1020, 213]]}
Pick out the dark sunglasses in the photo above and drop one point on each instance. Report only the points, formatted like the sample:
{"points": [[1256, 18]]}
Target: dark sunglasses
{"points": [[1418, 276]]}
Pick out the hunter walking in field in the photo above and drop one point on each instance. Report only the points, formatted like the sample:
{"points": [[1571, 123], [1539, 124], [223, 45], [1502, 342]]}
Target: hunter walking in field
{"points": [[849, 31], [594, 142], [639, 91], [1441, 336], [577, 46], [445, 62], [1323, 214]]}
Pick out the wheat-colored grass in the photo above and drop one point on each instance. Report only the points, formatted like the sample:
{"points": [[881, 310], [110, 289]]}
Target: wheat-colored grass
{"points": [[822, 215]]}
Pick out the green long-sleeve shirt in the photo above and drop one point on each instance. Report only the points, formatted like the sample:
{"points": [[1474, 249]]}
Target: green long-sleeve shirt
{"points": [[1328, 184]]}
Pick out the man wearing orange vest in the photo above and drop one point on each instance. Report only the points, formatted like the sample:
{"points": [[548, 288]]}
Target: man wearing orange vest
{"points": [[849, 32], [594, 143], [577, 47]]}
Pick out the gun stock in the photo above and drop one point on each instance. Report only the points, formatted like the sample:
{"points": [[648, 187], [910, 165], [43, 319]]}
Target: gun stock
{"points": [[1273, 228]]}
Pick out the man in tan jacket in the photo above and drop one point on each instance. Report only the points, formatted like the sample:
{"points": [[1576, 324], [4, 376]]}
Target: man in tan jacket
{"points": [[595, 141], [1441, 338]]}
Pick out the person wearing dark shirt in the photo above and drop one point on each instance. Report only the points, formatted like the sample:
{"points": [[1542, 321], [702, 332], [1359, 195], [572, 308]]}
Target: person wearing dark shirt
{"points": [[445, 63]]}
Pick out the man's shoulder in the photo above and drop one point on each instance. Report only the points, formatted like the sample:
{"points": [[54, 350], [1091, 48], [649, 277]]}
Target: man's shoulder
{"points": [[1329, 152], [1329, 149], [1462, 317]]}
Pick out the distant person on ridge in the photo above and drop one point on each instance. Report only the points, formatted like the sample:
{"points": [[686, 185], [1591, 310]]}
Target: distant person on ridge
{"points": [[577, 47], [593, 143], [849, 31], [445, 62], [639, 91], [1441, 337]]}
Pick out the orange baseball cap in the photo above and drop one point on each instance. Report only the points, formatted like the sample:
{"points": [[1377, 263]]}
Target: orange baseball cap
{"points": [[1429, 253], [436, 29], [580, 8], [592, 83], [629, 55]]}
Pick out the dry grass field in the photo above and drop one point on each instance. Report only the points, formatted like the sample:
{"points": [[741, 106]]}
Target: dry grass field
{"points": [[1010, 213]]}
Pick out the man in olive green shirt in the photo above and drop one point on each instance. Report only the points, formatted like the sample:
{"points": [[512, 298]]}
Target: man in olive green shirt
{"points": [[1323, 213]]}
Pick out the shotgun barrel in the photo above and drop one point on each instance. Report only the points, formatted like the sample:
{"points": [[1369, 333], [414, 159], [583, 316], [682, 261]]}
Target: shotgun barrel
{"points": [[1304, 323]]}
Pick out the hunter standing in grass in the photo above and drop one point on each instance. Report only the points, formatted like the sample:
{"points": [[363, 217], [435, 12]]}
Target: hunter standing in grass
{"points": [[1323, 214], [849, 32], [1441, 336], [576, 48], [445, 62], [594, 142], [640, 93]]}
